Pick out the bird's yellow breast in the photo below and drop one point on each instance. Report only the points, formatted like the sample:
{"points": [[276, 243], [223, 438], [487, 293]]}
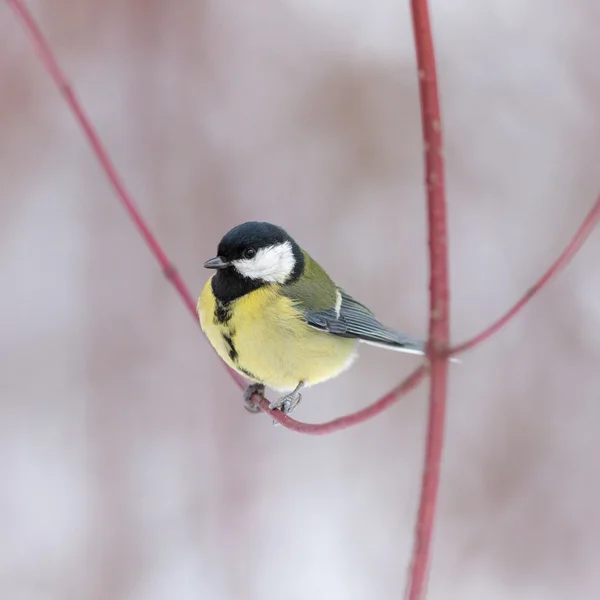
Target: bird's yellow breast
{"points": [[264, 337]]}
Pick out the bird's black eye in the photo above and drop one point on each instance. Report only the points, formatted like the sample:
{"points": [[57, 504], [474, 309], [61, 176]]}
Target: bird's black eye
{"points": [[249, 253]]}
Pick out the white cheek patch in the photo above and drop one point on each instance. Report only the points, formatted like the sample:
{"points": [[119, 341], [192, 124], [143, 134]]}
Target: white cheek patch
{"points": [[273, 264]]}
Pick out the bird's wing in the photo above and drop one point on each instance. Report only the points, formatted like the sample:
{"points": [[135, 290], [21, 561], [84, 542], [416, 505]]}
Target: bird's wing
{"points": [[351, 319]]}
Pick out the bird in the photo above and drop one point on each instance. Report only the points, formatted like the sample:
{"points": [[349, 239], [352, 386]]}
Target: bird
{"points": [[275, 316]]}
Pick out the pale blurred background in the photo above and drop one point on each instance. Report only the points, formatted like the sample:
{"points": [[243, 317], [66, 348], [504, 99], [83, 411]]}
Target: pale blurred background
{"points": [[129, 469]]}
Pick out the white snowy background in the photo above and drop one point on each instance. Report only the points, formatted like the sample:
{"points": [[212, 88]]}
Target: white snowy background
{"points": [[128, 468]]}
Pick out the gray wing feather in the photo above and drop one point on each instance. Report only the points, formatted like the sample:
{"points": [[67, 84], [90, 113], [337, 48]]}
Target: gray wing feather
{"points": [[354, 320]]}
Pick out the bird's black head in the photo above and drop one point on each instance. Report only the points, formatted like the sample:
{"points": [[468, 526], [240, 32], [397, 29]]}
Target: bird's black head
{"points": [[251, 255]]}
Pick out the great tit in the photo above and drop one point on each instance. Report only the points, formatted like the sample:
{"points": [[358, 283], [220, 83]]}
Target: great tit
{"points": [[276, 317]]}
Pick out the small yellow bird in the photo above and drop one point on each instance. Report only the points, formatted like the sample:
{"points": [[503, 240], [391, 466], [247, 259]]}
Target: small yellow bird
{"points": [[275, 316]]}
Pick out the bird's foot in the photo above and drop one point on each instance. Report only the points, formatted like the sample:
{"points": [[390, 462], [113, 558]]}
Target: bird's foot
{"points": [[288, 403], [254, 388]]}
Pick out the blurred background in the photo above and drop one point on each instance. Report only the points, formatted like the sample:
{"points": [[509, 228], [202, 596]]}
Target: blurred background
{"points": [[129, 469]]}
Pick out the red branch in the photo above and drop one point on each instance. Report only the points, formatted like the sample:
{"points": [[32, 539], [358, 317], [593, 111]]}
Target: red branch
{"points": [[47, 57], [573, 247], [439, 294], [410, 383]]}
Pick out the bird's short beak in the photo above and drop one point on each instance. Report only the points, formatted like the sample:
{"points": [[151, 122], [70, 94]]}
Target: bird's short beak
{"points": [[216, 263]]}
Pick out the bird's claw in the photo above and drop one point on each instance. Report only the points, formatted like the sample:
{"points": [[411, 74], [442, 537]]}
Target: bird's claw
{"points": [[286, 404], [254, 388]]}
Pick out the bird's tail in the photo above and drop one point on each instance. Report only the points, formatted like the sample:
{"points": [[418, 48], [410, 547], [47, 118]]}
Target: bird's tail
{"points": [[402, 343]]}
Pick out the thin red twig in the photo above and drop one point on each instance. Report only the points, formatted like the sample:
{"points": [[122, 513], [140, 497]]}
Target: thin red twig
{"points": [[47, 57], [410, 383], [439, 294], [581, 235]]}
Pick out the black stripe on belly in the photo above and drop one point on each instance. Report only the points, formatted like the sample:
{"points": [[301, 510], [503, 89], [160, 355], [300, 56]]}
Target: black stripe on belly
{"points": [[222, 313], [233, 355]]}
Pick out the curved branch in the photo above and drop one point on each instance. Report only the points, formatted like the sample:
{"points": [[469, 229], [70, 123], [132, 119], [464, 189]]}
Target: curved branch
{"points": [[410, 383], [558, 265], [47, 57]]}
